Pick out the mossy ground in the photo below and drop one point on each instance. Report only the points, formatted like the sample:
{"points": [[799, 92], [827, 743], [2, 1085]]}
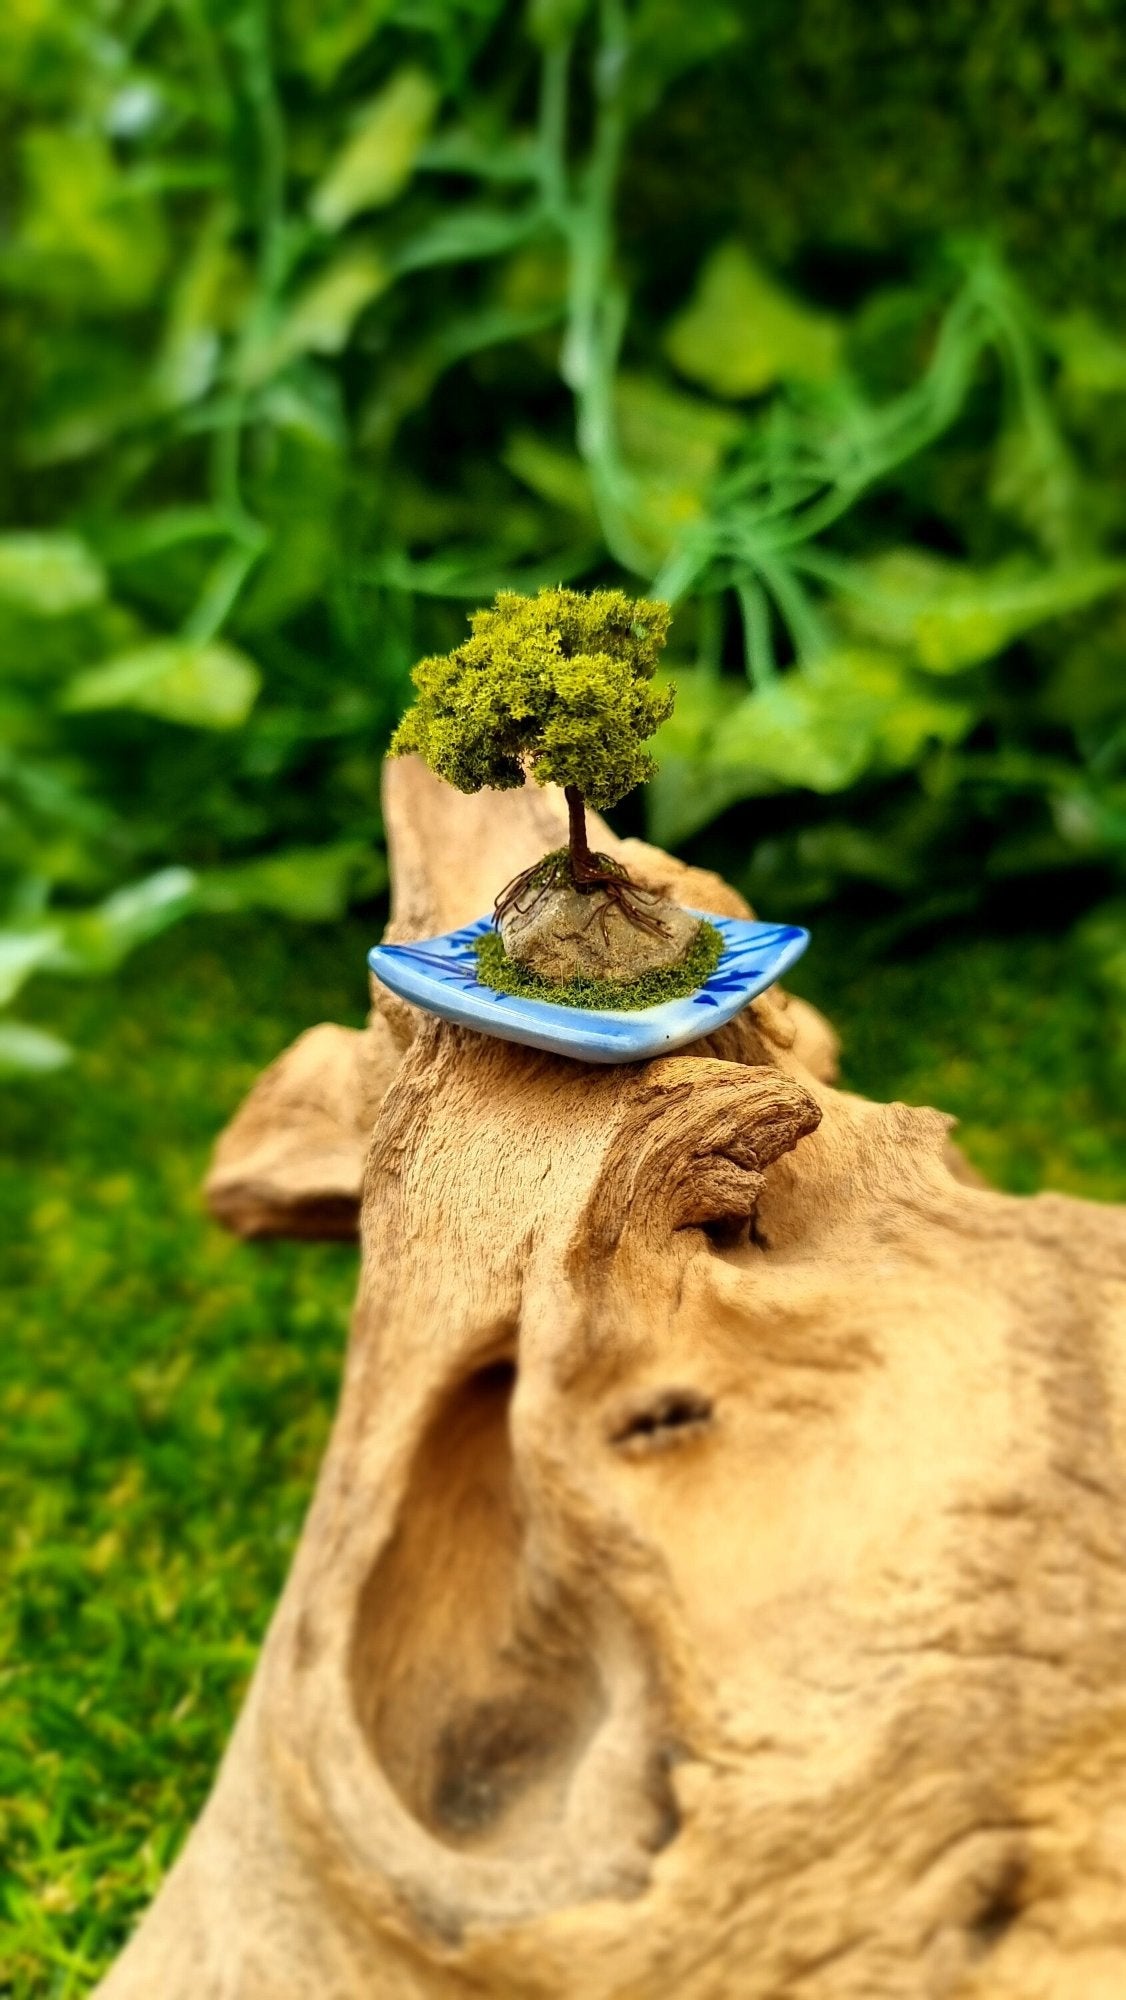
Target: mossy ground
{"points": [[621, 996], [164, 1396], [165, 1392]]}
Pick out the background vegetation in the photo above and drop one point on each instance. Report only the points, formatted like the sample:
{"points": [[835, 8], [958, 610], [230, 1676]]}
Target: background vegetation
{"points": [[325, 318], [319, 321]]}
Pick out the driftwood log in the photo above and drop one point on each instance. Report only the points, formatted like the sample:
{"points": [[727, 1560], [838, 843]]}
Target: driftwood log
{"points": [[716, 1581]]}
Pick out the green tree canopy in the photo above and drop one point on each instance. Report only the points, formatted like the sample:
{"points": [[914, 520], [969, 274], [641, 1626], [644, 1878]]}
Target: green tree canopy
{"points": [[560, 683]]}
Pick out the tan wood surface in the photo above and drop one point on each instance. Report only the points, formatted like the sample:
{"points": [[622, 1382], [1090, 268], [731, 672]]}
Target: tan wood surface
{"points": [[716, 1581]]}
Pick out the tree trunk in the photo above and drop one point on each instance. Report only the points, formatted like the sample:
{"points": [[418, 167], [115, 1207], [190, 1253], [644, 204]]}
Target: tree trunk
{"points": [[583, 864], [716, 1581]]}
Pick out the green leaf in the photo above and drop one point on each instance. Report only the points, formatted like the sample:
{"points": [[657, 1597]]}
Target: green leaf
{"points": [[376, 163], [553, 21], [466, 234], [1093, 358], [82, 236], [477, 573], [557, 476], [686, 795], [1091, 817], [21, 954], [954, 617], [206, 297], [688, 790], [209, 686], [320, 35], [678, 437], [296, 491], [311, 884], [822, 727], [49, 575], [97, 940], [740, 332], [705, 701], [487, 152], [851, 712], [321, 317], [86, 395], [667, 38], [26, 1051], [1086, 688], [784, 732], [837, 851], [1035, 481], [673, 445]]}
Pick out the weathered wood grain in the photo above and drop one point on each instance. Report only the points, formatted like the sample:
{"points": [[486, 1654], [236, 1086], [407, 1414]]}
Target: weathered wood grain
{"points": [[716, 1581]]}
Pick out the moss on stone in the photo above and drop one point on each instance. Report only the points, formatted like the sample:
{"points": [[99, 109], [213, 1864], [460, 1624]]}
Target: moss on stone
{"points": [[670, 982], [556, 871]]}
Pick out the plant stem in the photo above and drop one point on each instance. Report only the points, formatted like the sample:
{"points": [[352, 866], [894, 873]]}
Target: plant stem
{"points": [[553, 132], [757, 641], [249, 543], [597, 305]]}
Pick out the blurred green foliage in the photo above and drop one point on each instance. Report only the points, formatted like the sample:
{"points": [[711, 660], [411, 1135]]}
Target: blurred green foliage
{"points": [[165, 1397], [836, 126], [322, 321]]}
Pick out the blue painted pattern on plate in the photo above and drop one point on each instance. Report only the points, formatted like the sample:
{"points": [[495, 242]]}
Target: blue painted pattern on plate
{"points": [[440, 974]]}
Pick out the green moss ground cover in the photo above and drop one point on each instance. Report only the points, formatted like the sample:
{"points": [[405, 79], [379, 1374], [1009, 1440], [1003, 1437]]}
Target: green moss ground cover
{"points": [[165, 1391], [1009, 1033], [670, 982], [164, 1394]]}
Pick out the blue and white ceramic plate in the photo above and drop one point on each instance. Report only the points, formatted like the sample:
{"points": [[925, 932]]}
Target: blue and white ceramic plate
{"points": [[440, 974]]}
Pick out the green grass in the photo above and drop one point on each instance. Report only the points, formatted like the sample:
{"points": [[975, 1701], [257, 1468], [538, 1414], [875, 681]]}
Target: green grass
{"points": [[164, 1395], [1010, 1033], [165, 1391]]}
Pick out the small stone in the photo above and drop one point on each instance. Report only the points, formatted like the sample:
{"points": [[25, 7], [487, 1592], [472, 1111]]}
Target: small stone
{"points": [[567, 932]]}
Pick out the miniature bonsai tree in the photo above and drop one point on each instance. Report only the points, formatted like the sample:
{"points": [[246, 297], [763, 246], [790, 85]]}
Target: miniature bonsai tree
{"points": [[560, 686]]}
